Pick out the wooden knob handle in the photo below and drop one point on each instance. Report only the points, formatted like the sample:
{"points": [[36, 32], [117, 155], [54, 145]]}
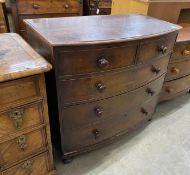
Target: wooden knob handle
{"points": [[150, 91], [103, 63], [99, 111], [186, 52], [168, 90], [101, 87], [144, 111], [96, 133], [36, 6], [155, 69], [163, 49], [66, 6], [175, 70]]}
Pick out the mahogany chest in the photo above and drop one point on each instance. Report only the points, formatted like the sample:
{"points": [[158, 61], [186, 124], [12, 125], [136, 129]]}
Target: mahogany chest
{"points": [[3, 21], [109, 71], [25, 143], [24, 9]]}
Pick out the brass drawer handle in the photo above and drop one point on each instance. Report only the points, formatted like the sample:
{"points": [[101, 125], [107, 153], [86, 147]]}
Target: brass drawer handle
{"points": [[36, 6], [27, 167], [186, 52], [163, 49], [17, 117], [66, 6], [175, 70], [144, 111], [21, 141], [150, 91], [103, 63], [99, 111], [155, 69], [100, 87], [96, 133]]}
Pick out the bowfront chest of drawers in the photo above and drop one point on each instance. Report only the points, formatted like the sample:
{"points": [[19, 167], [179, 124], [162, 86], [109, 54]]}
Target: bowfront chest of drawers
{"points": [[108, 77], [24, 9], [178, 77], [25, 145]]}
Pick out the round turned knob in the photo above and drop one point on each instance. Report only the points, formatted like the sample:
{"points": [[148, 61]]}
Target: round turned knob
{"points": [[186, 52], [103, 63], [99, 111], [168, 90], [144, 111], [150, 91], [35, 6], [163, 49], [156, 69], [101, 87], [175, 70], [96, 133], [66, 6]]}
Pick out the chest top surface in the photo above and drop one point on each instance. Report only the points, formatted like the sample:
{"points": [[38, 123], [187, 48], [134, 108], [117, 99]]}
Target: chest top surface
{"points": [[87, 30], [18, 59]]}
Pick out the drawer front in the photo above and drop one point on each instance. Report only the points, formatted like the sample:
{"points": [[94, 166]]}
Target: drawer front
{"points": [[181, 50], [20, 90], [20, 118], [175, 87], [88, 61], [156, 47], [178, 69], [33, 166], [95, 134], [48, 6], [21, 147], [98, 111], [110, 84]]}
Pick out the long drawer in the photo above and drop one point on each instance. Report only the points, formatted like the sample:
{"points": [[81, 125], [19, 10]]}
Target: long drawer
{"points": [[175, 87], [95, 112], [77, 139], [110, 84], [21, 118], [178, 69], [22, 146]]}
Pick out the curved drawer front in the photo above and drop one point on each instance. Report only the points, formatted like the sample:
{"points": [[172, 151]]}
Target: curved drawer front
{"points": [[21, 147], [178, 69], [110, 84], [95, 134], [86, 114], [175, 87], [48, 6], [181, 50], [156, 47], [89, 61], [20, 118]]}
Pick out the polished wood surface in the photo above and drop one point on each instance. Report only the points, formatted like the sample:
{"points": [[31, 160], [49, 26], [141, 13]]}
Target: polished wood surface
{"points": [[3, 24], [25, 143], [96, 74]]}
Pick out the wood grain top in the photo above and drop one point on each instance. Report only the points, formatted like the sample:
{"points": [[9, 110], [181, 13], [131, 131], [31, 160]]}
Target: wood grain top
{"points": [[184, 35], [87, 30], [18, 59]]}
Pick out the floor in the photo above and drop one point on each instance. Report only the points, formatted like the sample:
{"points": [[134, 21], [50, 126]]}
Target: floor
{"points": [[160, 148]]}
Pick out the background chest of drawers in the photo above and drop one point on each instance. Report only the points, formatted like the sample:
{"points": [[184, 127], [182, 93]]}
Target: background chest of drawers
{"points": [[106, 86], [178, 76], [97, 7], [25, 143], [3, 21], [24, 9]]}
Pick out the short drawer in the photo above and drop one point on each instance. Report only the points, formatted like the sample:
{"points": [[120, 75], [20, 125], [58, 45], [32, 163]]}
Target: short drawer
{"points": [[20, 118], [20, 90], [98, 111], [178, 69], [110, 84], [89, 61], [105, 131], [21, 147], [181, 50], [33, 166], [156, 47], [175, 87], [48, 6]]}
